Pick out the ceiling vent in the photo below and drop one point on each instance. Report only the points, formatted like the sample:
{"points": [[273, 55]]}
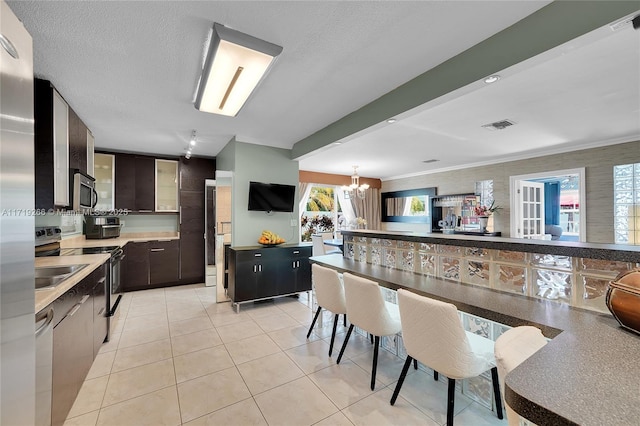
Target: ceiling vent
{"points": [[499, 125], [433, 160]]}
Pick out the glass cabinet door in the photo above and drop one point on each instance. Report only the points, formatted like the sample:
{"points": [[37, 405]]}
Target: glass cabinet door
{"points": [[104, 171], [166, 186]]}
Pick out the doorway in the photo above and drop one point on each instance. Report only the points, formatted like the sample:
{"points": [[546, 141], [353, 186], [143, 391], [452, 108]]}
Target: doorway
{"points": [[562, 204], [221, 232], [210, 232]]}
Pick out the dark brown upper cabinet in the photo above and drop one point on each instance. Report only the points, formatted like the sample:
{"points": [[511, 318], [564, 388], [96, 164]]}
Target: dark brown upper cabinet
{"points": [[135, 182]]}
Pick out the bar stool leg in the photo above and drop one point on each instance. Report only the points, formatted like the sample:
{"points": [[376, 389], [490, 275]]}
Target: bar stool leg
{"points": [[344, 320], [403, 374], [374, 367], [451, 394], [435, 375], [344, 345], [314, 321], [333, 335], [496, 391], [415, 364]]}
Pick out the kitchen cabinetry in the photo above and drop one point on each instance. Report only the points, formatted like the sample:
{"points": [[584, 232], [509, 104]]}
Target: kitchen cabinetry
{"points": [[91, 144], [77, 143], [260, 273], [104, 173], [135, 267], [61, 143], [99, 296], [134, 182], [51, 131], [166, 186], [193, 173], [163, 262], [77, 328], [150, 264]]}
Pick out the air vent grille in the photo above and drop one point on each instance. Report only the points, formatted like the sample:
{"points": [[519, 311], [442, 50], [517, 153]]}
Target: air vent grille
{"points": [[433, 160], [499, 125]]}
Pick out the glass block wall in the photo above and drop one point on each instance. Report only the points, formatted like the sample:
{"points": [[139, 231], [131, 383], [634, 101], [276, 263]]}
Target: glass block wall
{"points": [[579, 282], [626, 203]]}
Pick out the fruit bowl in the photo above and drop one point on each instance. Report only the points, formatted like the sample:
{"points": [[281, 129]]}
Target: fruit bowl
{"points": [[270, 245], [270, 239]]}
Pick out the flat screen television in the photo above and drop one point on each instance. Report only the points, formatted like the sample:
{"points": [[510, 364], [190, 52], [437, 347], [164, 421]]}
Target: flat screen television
{"points": [[271, 197]]}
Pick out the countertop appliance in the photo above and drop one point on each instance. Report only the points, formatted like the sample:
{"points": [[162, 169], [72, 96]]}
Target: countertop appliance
{"points": [[99, 227], [83, 192]]}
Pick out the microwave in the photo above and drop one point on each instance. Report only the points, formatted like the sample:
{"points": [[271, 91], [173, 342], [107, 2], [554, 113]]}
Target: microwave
{"points": [[83, 191]]}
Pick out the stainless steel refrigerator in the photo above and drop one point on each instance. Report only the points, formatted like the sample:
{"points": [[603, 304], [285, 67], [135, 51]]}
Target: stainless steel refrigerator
{"points": [[17, 295]]}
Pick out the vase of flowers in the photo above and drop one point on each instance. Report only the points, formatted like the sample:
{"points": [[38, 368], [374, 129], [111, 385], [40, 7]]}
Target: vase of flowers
{"points": [[483, 212]]}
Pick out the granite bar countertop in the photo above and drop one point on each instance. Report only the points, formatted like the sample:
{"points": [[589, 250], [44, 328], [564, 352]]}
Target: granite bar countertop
{"points": [[588, 374], [619, 252]]}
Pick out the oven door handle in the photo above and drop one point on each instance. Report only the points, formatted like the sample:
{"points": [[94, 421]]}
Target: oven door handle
{"points": [[95, 199], [111, 226], [113, 310]]}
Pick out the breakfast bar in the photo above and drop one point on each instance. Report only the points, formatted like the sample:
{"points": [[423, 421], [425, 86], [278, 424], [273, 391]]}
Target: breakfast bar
{"points": [[587, 374]]}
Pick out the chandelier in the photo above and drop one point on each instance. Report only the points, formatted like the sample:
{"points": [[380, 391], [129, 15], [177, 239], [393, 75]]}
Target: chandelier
{"points": [[355, 186]]}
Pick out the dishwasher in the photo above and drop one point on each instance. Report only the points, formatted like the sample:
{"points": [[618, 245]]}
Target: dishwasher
{"points": [[44, 366]]}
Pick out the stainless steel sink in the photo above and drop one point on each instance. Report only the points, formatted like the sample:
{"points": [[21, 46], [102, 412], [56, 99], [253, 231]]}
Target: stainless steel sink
{"points": [[47, 277]]}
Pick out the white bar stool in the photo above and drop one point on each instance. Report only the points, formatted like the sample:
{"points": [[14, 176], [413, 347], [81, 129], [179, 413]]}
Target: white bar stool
{"points": [[369, 311], [330, 296], [433, 334], [511, 349]]}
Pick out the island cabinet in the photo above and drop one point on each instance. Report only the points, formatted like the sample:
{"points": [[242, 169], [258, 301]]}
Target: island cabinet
{"points": [[257, 273]]}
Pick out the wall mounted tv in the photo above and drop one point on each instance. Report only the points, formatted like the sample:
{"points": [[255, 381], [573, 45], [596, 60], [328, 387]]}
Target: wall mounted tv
{"points": [[271, 197]]}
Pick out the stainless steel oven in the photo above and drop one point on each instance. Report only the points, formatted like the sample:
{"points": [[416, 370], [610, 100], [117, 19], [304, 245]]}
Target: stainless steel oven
{"points": [[114, 295], [113, 286]]}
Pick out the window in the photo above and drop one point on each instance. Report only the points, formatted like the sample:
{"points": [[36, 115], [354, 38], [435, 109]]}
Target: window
{"points": [[322, 212], [626, 203]]}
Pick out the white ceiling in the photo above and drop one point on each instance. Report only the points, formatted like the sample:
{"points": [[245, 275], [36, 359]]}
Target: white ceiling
{"points": [[130, 69]]}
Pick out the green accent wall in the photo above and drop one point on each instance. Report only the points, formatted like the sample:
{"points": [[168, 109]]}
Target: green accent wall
{"points": [[258, 163]]}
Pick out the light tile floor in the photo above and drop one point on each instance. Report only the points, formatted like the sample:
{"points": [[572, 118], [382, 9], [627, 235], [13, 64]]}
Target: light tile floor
{"points": [[178, 358]]}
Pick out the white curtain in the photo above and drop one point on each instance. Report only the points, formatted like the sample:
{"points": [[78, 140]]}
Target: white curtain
{"points": [[368, 207], [347, 208], [303, 192]]}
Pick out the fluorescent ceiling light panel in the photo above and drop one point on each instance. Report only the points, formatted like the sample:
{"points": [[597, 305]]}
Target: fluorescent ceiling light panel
{"points": [[235, 65]]}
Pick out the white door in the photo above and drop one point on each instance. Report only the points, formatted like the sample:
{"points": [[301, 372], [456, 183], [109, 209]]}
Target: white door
{"points": [[531, 209]]}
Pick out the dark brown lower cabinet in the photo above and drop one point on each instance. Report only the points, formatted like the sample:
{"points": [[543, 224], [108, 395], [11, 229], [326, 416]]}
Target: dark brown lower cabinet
{"points": [[163, 262], [261, 273], [76, 330], [150, 264], [135, 268], [192, 259]]}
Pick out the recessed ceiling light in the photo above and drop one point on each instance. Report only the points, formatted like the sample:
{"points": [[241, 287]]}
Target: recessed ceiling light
{"points": [[492, 79], [391, 120], [433, 160]]}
